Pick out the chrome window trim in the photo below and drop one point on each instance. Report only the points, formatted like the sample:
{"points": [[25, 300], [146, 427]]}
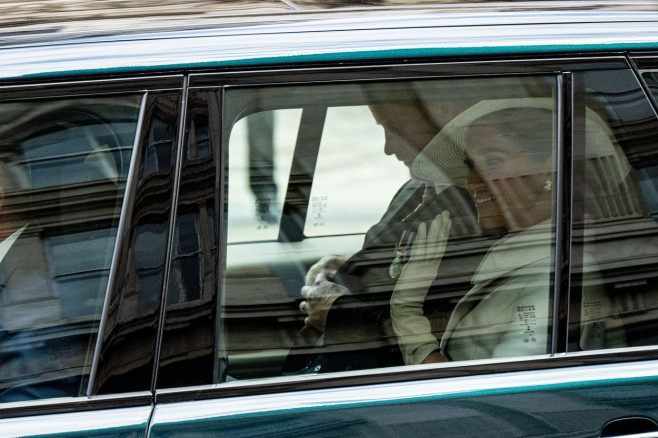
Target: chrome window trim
{"points": [[640, 435], [172, 411], [639, 72], [480, 369], [645, 61]]}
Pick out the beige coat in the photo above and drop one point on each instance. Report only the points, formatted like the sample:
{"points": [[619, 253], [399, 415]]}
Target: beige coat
{"points": [[508, 310]]}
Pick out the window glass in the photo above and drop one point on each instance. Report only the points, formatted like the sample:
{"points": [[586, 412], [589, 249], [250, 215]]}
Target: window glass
{"points": [[416, 225], [260, 171], [615, 249], [62, 175], [126, 357], [331, 212], [188, 353]]}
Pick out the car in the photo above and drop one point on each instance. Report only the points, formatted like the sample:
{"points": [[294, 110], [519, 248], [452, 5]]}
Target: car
{"points": [[330, 218]]}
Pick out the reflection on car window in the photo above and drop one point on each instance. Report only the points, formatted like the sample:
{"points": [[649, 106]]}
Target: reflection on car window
{"points": [[189, 353], [615, 221], [126, 354], [63, 171], [331, 212], [260, 168], [417, 225]]}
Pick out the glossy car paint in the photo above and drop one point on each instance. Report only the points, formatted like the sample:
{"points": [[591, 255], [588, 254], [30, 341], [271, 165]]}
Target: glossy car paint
{"points": [[573, 401], [308, 39], [125, 422]]}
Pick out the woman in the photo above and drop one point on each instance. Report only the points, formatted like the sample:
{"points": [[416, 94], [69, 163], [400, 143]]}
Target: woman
{"points": [[502, 151]]}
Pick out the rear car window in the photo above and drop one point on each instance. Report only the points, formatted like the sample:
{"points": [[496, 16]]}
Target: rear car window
{"points": [[64, 167], [615, 228], [400, 223]]}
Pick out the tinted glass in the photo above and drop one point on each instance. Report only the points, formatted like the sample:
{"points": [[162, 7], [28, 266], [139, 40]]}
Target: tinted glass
{"points": [[188, 354], [386, 224], [131, 325], [615, 236], [62, 175]]}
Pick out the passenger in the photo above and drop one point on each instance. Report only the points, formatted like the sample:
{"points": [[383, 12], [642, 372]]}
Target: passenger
{"points": [[346, 299], [502, 151]]}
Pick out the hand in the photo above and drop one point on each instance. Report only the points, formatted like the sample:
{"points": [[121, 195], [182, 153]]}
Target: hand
{"points": [[327, 265], [426, 253], [415, 338], [319, 298]]}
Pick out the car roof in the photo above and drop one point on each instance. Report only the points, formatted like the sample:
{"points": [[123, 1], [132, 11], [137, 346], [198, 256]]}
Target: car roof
{"points": [[199, 34]]}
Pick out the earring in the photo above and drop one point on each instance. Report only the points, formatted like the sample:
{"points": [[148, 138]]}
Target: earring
{"points": [[549, 185]]}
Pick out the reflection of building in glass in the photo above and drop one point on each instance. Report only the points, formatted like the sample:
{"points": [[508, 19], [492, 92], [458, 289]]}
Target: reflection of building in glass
{"points": [[74, 155]]}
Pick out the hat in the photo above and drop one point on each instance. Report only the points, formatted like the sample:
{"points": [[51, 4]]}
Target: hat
{"points": [[442, 161]]}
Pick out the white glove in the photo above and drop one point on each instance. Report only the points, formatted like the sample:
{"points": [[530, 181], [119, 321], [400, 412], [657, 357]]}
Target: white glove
{"points": [[320, 292]]}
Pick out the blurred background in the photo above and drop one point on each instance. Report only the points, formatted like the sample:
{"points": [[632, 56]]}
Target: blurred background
{"points": [[18, 13]]}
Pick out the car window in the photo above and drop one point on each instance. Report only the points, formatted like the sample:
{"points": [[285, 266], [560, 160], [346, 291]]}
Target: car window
{"points": [[615, 236], [189, 351], [63, 173], [414, 222]]}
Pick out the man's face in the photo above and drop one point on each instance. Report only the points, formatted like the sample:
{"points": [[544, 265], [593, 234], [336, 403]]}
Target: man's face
{"points": [[407, 129]]}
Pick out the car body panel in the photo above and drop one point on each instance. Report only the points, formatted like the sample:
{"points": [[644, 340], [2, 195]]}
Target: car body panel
{"points": [[335, 40], [576, 401], [121, 422]]}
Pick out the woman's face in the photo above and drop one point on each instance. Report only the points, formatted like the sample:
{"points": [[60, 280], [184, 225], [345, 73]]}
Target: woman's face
{"points": [[507, 183]]}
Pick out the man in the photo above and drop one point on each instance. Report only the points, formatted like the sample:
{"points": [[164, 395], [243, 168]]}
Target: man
{"points": [[347, 299]]}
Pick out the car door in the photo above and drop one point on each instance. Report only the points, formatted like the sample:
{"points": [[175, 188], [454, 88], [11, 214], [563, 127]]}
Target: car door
{"points": [[574, 354]]}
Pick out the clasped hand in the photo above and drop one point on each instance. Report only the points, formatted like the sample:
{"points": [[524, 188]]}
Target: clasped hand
{"points": [[320, 292]]}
